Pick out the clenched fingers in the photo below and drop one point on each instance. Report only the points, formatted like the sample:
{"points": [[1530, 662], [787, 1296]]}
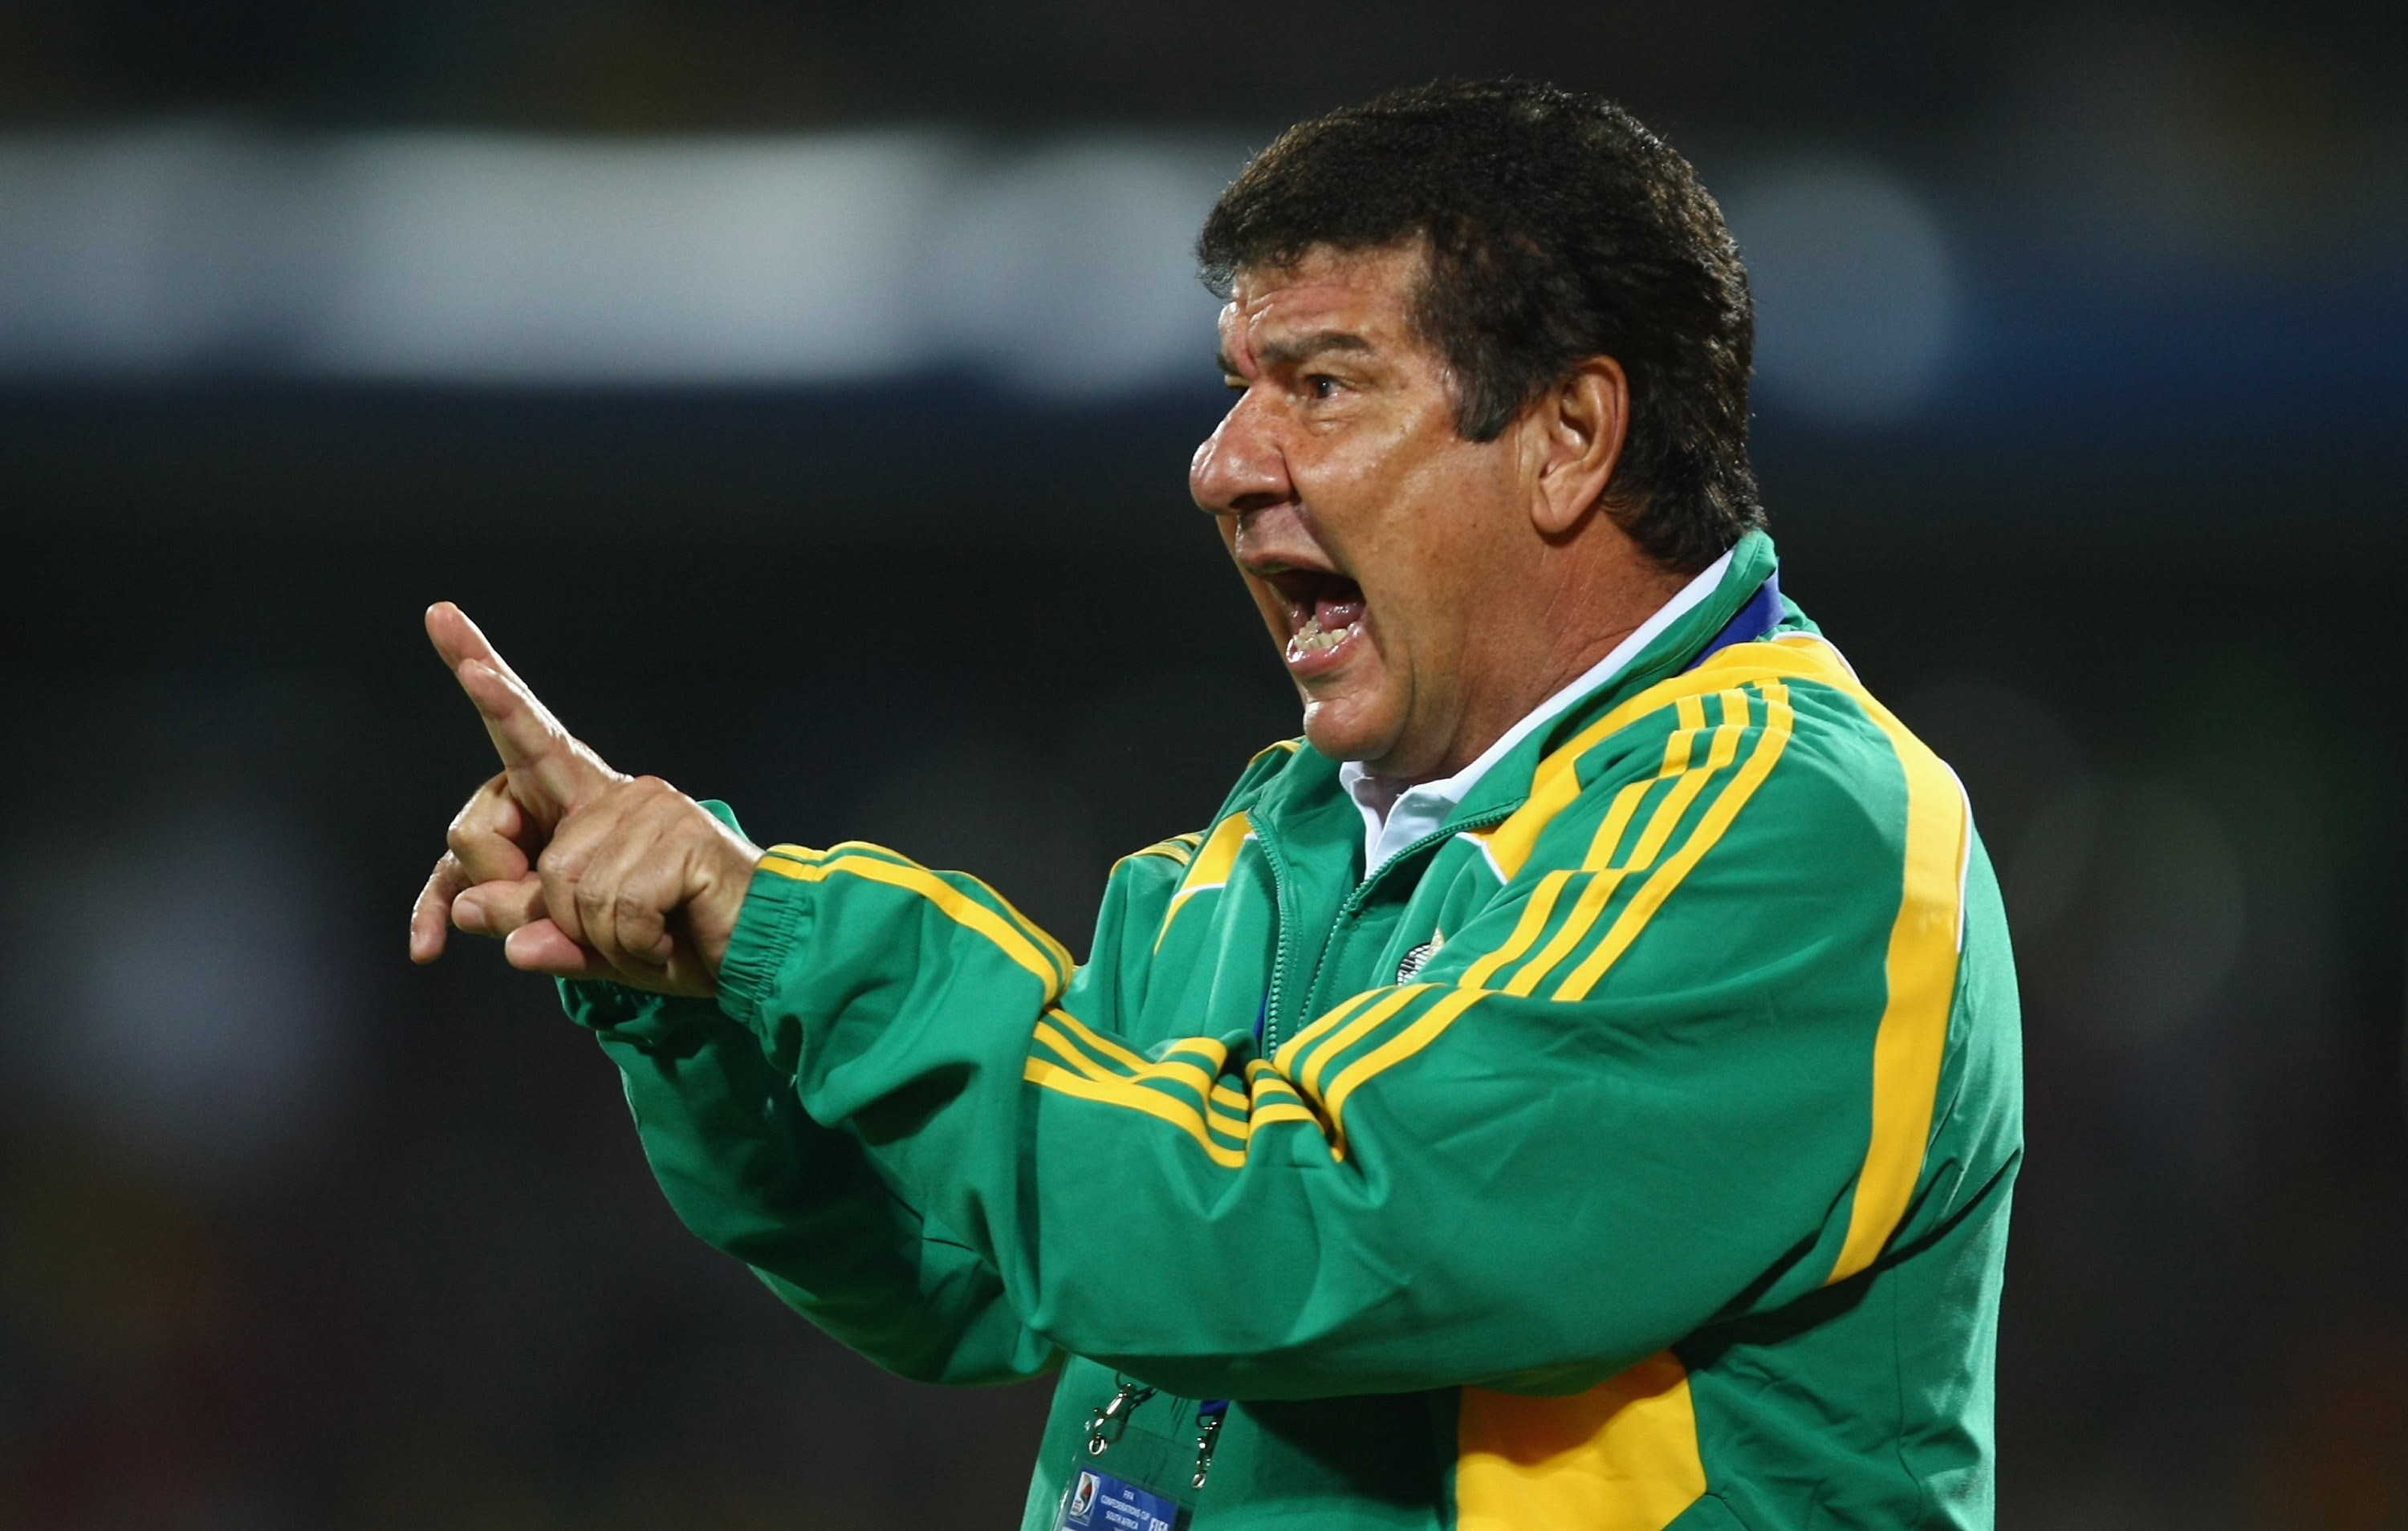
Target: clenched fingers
{"points": [[449, 899], [430, 917], [490, 842], [499, 908], [492, 836], [540, 948], [626, 909], [614, 873], [650, 882]]}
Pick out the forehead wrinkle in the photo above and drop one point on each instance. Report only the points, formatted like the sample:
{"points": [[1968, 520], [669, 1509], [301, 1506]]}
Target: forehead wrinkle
{"points": [[1294, 350]]}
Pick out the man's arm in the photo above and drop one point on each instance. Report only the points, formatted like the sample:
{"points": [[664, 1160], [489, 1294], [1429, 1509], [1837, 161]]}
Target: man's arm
{"points": [[740, 1160], [1680, 1117], [751, 1174], [749, 1171]]}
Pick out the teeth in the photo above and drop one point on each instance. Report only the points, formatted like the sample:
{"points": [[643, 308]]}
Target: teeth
{"points": [[1311, 638]]}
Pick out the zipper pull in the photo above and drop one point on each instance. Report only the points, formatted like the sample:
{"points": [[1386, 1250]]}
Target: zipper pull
{"points": [[1208, 1415]]}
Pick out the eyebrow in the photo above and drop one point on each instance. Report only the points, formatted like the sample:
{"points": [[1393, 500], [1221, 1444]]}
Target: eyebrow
{"points": [[1297, 350]]}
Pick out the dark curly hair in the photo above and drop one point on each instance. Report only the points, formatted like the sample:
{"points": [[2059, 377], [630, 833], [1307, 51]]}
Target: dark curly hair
{"points": [[1557, 229]]}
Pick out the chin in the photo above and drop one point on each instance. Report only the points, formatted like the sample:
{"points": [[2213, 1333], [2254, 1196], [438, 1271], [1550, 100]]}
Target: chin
{"points": [[1343, 728]]}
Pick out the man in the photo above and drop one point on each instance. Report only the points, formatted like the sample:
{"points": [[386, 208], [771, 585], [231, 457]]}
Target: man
{"points": [[1575, 1085]]}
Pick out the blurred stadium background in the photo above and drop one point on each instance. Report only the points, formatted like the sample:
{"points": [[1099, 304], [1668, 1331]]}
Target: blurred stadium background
{"points": [[801, 395]]}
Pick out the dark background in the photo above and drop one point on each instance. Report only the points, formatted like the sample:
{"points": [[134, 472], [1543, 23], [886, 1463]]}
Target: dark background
{"points": [[293, 1234]]}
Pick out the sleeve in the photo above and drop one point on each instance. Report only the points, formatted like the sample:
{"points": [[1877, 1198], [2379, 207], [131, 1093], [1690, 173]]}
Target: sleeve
{"points": [[805, 1206], [1668, 1074], [749, 1172]]}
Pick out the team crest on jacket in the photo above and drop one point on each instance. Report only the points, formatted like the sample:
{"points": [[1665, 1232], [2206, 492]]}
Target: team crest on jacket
{"points": [[1418, 958]]}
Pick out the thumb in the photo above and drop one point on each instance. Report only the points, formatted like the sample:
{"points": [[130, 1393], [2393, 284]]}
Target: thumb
{"points": [[543, 946]]}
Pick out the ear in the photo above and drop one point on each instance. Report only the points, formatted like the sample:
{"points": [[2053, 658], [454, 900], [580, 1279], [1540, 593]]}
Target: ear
{"points": [[1577, 430]]}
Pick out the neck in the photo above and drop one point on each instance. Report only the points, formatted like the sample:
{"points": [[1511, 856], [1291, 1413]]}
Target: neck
{"points": [[1572, 625]]}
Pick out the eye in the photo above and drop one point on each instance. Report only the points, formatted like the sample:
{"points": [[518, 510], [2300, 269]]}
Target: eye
{"points": [[1321, 385]]}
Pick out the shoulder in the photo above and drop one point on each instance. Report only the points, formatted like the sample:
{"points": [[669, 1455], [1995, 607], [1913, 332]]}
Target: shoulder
{"points": [[1178, 851], [1270, 763], [1769, 744], [1171, 862], [1144, 884]]}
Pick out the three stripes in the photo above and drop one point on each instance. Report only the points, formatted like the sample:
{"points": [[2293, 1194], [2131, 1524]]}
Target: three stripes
{"points": [[1381, 1027]]}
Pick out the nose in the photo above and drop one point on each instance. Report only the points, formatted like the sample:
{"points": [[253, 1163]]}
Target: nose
{"points": [[1239, 467]]}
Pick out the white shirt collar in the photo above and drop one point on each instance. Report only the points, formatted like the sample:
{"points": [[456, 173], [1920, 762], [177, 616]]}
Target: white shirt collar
{"points": [[1418, 811]]}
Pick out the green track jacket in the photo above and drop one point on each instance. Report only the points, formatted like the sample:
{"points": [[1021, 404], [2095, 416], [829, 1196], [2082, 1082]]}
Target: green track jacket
{"points": [[1634, 1152]]}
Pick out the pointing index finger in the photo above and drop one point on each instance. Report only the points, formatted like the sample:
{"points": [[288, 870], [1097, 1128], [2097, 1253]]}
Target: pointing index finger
{"points": [[530, 740]]}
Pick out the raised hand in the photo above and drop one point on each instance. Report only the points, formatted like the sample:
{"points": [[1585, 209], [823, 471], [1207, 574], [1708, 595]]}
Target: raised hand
{"points": [[486, 883], [584, 872]]}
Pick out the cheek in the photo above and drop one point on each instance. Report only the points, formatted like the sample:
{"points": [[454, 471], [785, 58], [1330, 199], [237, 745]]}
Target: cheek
{"points": [[1436, 518], [1361, 488]]}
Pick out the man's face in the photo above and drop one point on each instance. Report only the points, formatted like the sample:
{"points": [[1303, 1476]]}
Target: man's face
{"points": [[1370, 533]]}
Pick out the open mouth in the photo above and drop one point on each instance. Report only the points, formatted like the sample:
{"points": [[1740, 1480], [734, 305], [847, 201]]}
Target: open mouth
{"points": [[1324, 611]]}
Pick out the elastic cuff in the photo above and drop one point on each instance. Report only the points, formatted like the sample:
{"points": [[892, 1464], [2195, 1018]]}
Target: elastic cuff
{"points": [[776, 906]]}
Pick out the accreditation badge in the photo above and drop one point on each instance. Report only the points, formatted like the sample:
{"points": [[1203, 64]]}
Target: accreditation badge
{"points": [[1097, 1501]]}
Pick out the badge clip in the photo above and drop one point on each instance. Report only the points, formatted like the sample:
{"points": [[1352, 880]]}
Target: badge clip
{"points": [[1208, 1414], [1109, 1423]]}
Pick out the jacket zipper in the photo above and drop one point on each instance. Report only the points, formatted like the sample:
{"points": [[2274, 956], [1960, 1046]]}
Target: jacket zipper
{"points": [[1269, 1042], [1352, 904]]}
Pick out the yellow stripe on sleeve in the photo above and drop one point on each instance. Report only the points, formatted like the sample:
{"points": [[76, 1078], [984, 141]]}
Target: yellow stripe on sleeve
{"points": [[1575, 929], [1327, 1023], [1396, 1049], [1117, 1052], [1179, 848], [1036, 933], [1063, 1048], [1223, 1126], [1690, 779], [1556, 785], [1309, 1070], [1617, 824], [1688, 722], [1215, 1057], [1719, 754], [1049, 963], [1266, 1115], [1909, 1045], [1921, 967], [1136, 1097], [1535, 915], [1263, 1078], [1194, 1062]]}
